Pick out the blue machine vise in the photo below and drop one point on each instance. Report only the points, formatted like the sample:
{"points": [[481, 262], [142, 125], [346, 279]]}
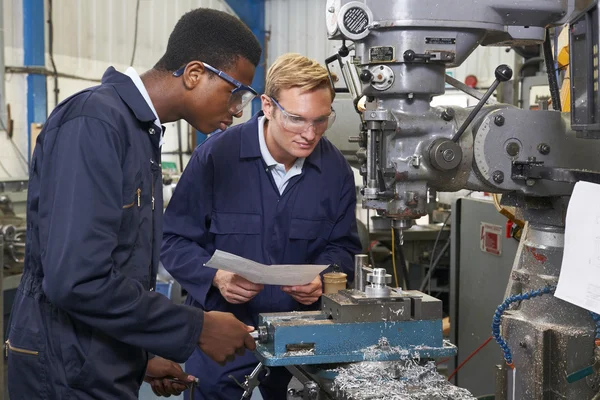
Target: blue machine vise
{"points": [[353, 327]]}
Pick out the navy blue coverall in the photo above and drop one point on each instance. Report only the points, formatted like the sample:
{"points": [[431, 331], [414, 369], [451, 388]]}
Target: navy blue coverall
{"points": [[85, 314], [227, 199]]}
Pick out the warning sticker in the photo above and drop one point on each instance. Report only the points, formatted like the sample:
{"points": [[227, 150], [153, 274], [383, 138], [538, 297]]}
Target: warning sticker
{"points": [[491, 239]]}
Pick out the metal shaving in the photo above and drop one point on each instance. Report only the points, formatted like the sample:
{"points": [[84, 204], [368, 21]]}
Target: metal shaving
{"points": [[383, 348], [298, 353], [399, 380]]}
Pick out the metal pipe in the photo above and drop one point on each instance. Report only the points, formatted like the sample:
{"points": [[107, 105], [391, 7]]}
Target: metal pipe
{"points": [[10, 69], [360, 262], [500, 372], [3, 111], [34, 54]]}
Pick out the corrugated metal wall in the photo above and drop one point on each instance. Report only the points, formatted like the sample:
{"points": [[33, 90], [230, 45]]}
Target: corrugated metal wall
{"points": [[297, 26], [89, 36]]}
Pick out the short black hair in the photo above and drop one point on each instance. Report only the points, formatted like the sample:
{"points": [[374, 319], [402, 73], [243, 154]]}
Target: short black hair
{"points": [[210, 36]]}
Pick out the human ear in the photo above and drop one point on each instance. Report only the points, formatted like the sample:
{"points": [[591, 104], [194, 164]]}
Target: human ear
{"points": [[194, 74]]}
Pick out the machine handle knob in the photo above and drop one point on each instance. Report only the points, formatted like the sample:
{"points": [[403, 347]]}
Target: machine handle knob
{"points": [[366, 76], [503, 73], [409, 55]]}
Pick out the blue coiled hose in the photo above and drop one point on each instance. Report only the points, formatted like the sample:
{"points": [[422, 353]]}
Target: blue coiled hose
{"points": [[520, 297]]}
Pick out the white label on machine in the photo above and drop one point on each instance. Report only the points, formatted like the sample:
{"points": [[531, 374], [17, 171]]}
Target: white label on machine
{"points": [[491, 238], [579, 281]]}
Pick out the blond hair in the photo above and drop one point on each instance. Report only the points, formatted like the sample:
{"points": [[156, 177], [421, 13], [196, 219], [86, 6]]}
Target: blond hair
{"points": [[294, 70]]}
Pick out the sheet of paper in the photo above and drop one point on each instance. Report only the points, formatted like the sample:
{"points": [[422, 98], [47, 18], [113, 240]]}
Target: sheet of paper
{"points": [[579, 281], [286, 275]]}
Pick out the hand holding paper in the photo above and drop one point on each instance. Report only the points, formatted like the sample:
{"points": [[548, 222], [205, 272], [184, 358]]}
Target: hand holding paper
{"points": [[285, 275], [306, 294], [234, 288]]}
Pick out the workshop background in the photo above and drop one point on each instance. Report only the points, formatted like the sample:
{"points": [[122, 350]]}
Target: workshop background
{"points": [[53, 48]]}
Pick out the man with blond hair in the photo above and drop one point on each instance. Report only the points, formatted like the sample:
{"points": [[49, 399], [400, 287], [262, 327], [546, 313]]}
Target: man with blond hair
{"points": [[275, 191]]}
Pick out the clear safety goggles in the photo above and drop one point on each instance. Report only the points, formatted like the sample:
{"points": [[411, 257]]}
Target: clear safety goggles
{"points": [[298, 124], [241, 95]]}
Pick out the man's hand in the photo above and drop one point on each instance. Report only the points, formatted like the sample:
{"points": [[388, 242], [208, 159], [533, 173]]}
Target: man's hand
{"points": [[223, 336], [306, 294], [234, 288], [166, 377]]}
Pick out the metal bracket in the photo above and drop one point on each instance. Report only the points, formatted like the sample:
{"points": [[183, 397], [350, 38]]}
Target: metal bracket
{"points": [[252, 381], [310, 389], [527, 170]]}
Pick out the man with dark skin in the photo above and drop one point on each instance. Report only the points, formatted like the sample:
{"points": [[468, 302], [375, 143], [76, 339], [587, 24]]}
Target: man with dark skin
{"points": [[86, 320]]}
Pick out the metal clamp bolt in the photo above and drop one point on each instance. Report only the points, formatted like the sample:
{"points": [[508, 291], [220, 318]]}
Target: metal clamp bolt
{"points": [[448, 114], [498, 176], [448, 155], [543, 148]]}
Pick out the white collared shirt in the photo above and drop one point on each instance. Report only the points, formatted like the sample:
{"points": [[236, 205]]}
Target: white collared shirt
{"points": [[137, 81], [280, 175]]}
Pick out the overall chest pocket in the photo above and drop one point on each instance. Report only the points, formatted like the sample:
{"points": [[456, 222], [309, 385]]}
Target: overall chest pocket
{"points": [[308, 238], [237, 233]]}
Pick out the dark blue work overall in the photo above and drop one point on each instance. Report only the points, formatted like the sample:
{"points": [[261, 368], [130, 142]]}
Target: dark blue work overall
{"points": [[85, 314], [228, 200]]}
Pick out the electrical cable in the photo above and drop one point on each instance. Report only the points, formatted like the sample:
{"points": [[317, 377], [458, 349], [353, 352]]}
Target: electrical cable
{"points": [[431, 258], [402, 262], [20, 155], [442, 361], [373, 243], [51, 52], [2, 124], [5, 170], [394, 258], [469, 357], [135, 34], [432, 268], [552, 73], [528, 63], [506, 212]]}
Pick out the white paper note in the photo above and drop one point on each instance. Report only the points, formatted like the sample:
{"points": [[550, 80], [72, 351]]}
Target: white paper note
{"points": [[579, 281], [286, 275]]}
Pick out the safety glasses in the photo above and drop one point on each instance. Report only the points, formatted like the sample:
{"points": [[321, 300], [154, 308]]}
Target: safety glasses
{"points": [[240, 97], [298, 124]]}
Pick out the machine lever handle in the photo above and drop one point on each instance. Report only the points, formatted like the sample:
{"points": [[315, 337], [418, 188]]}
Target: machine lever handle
{"points": [[503, 73]]}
